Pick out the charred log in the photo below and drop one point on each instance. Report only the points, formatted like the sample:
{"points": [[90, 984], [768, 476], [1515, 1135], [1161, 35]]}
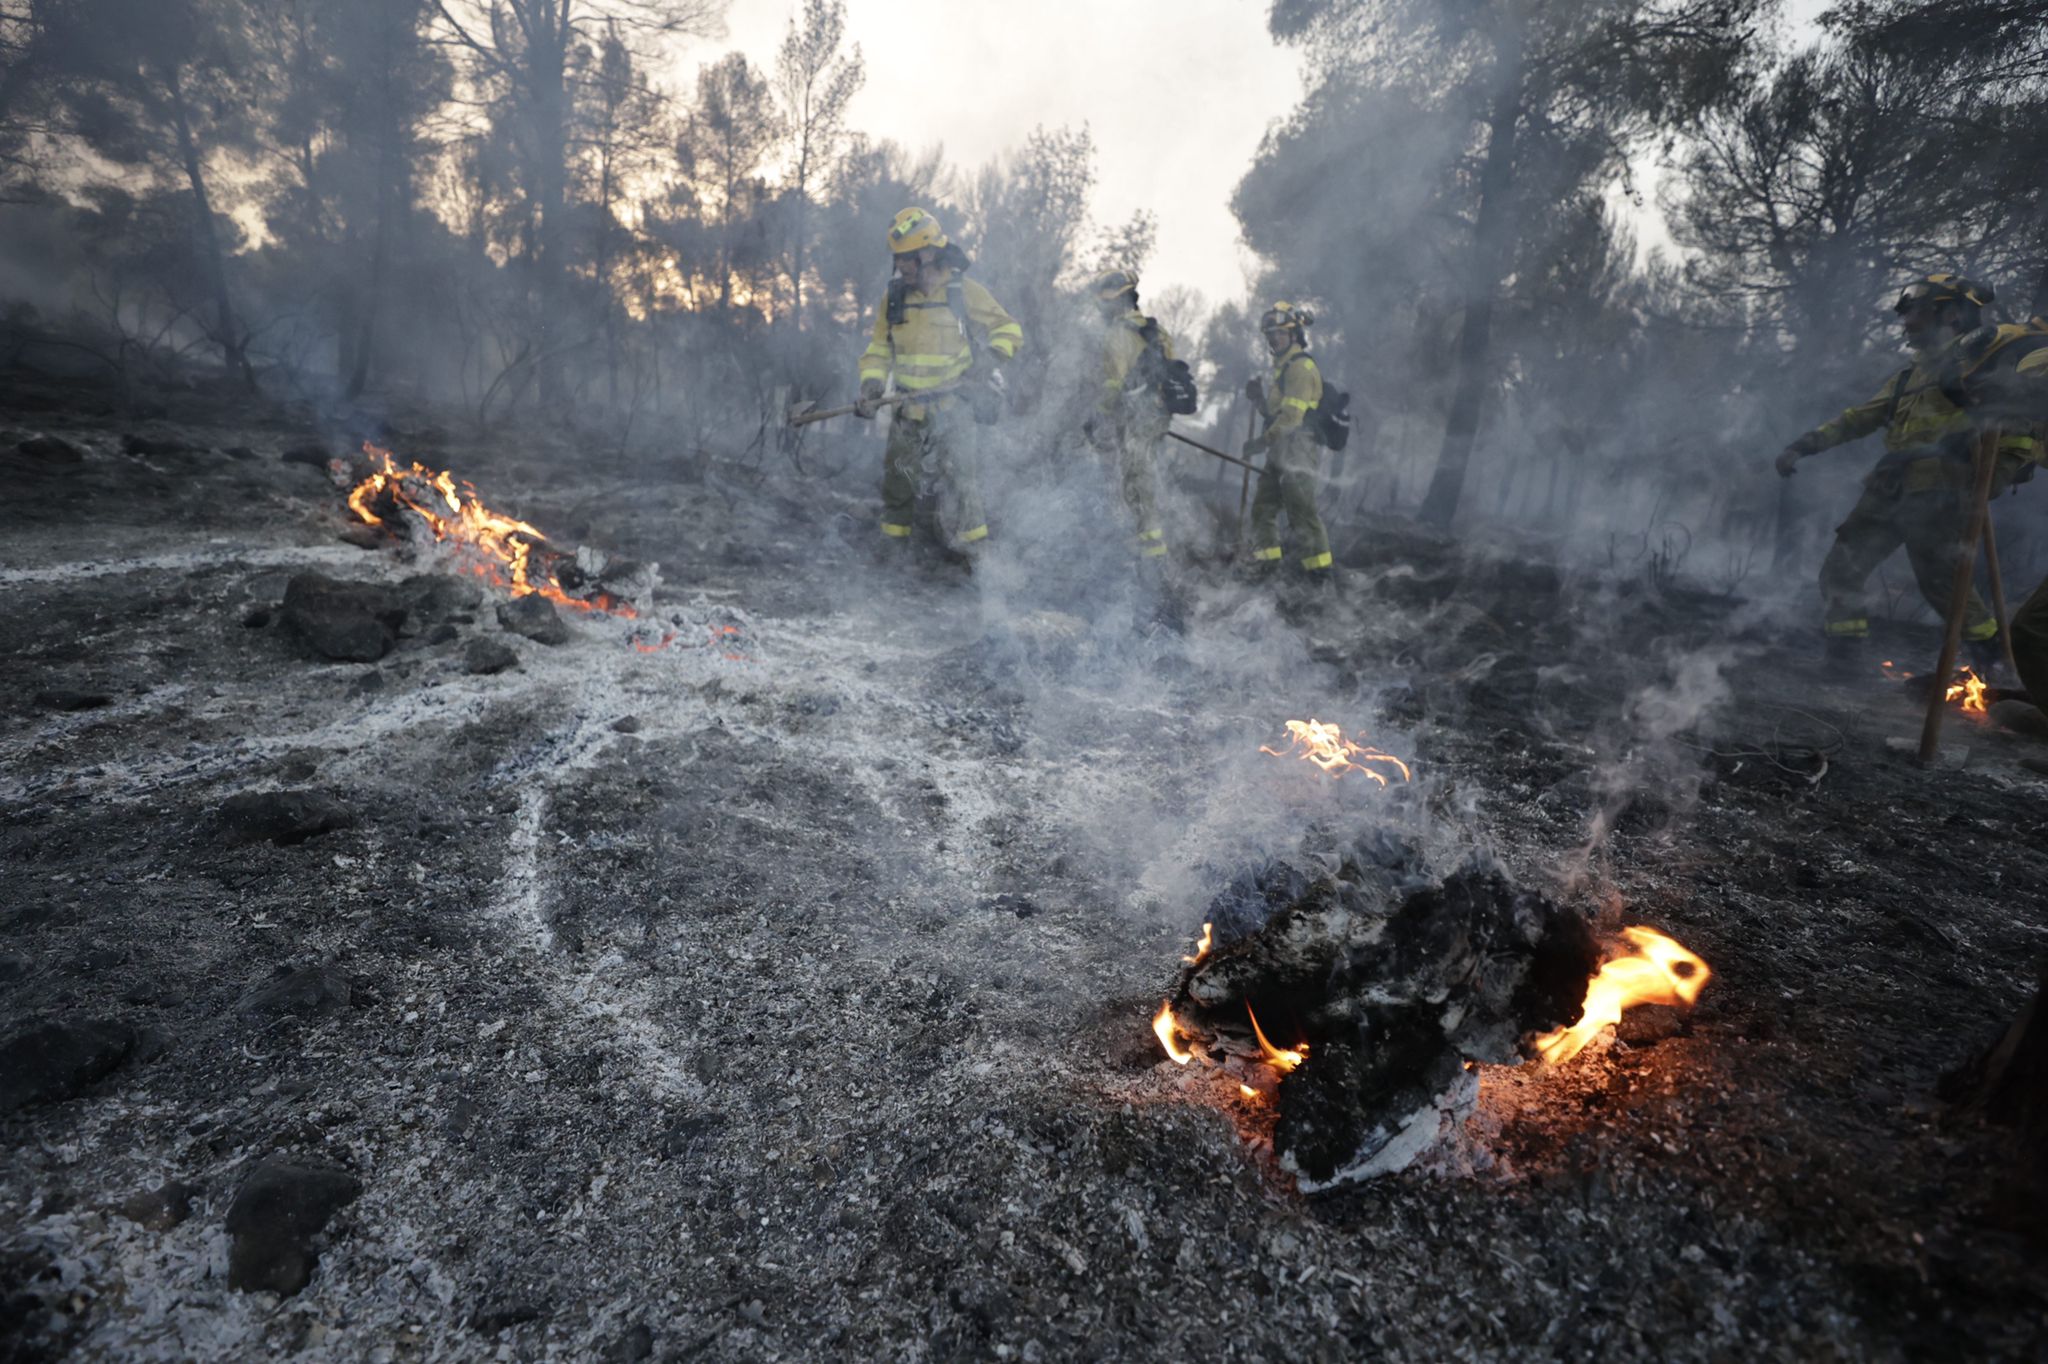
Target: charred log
{"points": [[1389, 986]]}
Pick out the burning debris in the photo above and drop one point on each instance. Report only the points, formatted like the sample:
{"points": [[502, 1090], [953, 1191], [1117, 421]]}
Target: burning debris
{"points": [[1386, 988], [506, 552], [1969, 692], [1325, 746]]}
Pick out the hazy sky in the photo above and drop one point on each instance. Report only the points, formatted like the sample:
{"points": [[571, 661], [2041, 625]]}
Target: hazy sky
{"points": [[1176, 92]]}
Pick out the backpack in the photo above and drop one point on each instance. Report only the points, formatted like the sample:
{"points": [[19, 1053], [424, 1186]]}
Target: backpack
{"points": [[1330, 419], [2008, 343], [1170, 378]]}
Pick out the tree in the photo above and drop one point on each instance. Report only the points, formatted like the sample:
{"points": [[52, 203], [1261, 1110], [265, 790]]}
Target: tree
{"points": [[731, 131], [1532, 100], [815, 83]]}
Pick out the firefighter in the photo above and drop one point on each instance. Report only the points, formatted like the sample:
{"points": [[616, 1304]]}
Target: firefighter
{"points": [[1288, 480], [2018, 403], [936, 330], [1131, 415], [1919, 494]]}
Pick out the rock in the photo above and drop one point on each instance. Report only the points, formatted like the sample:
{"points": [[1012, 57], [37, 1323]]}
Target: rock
{"points": [[256, 618], [69, 699], [281, 817], [159, 1209], [490, 1320], [2021, 717], [309, 991], [487, 656], [536, 618], [51, 450], [313, 456], [444, 633], [52, 1061], [436, 596], [361, 536], [155, 445], [632, 1347], [239, 452], [368, 684], [626, 724], [282, 1205], [348, 621]]}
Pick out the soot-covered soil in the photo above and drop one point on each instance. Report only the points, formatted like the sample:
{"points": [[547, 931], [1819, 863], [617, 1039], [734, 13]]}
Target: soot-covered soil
{"points": [[783, 993]]}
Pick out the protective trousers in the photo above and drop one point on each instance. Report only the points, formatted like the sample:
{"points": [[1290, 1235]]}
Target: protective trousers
{"points": [[1923, 506], [2030, 645], [1138, 437], [1288, 482], [932, 444]]}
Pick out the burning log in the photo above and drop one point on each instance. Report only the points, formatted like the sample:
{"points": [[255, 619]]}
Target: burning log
{"points": [[502, 550], [1374, 989]]}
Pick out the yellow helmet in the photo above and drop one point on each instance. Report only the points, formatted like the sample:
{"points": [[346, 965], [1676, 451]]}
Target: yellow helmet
{"points": [[1945, 288], [914, 230], [1289, 315], [1111, 285]]}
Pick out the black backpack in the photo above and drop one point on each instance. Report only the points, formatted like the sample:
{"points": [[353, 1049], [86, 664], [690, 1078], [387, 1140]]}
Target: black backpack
{"points": [[1330, 418], [1171, 379]]}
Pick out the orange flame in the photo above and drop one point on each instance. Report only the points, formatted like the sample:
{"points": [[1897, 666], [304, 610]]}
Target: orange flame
{"points": [[1163, 1025], [1659, 971], [1202, 947], [1970, 689], [500, 547], [1281, 1060], [1326, 747]]}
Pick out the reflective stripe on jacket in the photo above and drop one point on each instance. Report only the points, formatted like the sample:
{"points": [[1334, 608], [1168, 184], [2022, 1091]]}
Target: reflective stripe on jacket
{"points": [[1296, 388], [928, 347], [1921, 414], [1122, 347]]}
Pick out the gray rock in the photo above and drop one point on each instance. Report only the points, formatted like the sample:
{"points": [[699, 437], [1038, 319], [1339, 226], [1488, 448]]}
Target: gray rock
{"points": [[242, 452], [486, 656], [626, 724], [281, 817], [362, 536], [282, 1205], [536, 618], [493, 1318], [436, 596], [632, 1347], [72, 699], [155, 445], [51, 450], [159, 1209], [59, 1059], [309, 991], [348, 621]]}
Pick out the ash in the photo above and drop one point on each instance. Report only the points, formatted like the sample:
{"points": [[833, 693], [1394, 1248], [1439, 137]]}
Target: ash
{"points": [[782, 992]]}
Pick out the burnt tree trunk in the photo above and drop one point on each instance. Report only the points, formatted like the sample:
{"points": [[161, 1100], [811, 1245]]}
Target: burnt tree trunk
{"points": [[1492, 235], [227, 330]]}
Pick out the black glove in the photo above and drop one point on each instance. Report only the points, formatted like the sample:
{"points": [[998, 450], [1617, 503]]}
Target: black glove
{"points": [[870, 400], [986, 393], [1255, 390]]}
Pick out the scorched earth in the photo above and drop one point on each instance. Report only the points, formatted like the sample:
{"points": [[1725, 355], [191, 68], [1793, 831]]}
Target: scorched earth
{"points": [[771, 975]]}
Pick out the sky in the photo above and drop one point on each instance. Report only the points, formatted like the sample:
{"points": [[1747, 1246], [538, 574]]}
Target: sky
{"points": [[1176, 92]]}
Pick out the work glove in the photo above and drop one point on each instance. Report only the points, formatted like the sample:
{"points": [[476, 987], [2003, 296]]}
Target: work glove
{"points": [[870, 400], [1788, 460], [1255, 390], [1259, 444], [986, 392]]}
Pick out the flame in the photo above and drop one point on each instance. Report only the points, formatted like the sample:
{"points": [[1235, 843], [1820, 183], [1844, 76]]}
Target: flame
{"points": [[1659, 971], [1282, 1061], [1163, 1025], [1248, 1091], [1970, 689], [1202, 947], [1326, 747], [500, 547], [1893, 673]]}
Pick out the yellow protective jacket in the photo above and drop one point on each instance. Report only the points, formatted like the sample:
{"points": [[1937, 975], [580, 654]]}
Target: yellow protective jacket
{"points": [[929, 347], [1122, 347], [1916, 413], [1296, 388]]}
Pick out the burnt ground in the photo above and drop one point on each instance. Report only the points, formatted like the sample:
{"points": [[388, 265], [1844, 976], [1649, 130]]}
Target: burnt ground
{"points": [[783, 993]]}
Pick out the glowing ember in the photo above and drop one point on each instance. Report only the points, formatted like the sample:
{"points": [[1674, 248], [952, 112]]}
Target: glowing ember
{"points": [[497, 548], [1202, 947], [1248, 1091], [1970, 690], [1326, 747], [1281, 1060], [1659, 971], [1163, 1026]]}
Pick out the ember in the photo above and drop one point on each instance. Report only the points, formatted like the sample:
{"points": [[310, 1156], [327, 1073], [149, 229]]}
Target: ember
{"points": [[1970, 690], [1326, 747], [495, 547], [1659, 971]]}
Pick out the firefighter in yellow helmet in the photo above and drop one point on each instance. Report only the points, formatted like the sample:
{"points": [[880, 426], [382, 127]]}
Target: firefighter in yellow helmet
{"points": [[1918, 496], [1131, 412], [1288, 480], [937, 331]]}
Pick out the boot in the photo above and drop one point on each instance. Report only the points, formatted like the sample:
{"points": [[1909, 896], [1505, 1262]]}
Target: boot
{"points": [[1983, 655], [1847, 659]]}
